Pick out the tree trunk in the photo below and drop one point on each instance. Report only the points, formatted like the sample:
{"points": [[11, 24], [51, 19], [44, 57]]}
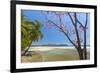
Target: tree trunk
{"points": [[85, 51], [81, 56], [25, 51], [80, 53]]}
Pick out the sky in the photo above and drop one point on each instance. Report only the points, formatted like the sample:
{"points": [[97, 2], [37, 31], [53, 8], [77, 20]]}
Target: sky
{"points": [[51, 35]]}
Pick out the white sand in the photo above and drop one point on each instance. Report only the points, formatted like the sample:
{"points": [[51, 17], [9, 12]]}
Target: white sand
{"points": [[46, 48]]}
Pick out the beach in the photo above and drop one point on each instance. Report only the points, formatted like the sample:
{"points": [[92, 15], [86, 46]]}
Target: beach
{"points": [[45, 54]]}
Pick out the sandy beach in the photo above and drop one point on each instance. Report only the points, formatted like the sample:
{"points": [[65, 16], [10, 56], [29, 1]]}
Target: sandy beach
{"points": [[44, 54]]}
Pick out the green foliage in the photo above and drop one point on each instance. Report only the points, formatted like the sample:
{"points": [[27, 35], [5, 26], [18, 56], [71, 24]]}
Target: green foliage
{"points": [[30, 31]]}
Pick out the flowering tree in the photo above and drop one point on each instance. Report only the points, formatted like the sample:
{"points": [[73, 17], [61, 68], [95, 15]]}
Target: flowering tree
{"points": [[72, 27]]}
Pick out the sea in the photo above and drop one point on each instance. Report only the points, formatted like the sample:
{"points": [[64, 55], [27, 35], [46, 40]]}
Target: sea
{"points": [[51, 47]]}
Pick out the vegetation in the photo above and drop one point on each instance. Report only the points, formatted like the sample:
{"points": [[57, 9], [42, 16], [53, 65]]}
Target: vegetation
{"points": [[30, 31], [76, 34]]}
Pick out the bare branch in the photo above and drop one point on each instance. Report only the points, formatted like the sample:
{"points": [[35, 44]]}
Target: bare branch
{"points": [[71, 18], [77, 34], [80, 23], [75, 17], [64, 33], [70, 40], [86, 20]]}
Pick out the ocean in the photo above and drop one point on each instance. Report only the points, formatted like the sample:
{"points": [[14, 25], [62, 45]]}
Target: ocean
{"points": [[47, 47]]}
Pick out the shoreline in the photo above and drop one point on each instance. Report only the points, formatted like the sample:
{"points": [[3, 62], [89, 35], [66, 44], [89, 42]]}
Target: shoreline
{"points": [[45, 48]]}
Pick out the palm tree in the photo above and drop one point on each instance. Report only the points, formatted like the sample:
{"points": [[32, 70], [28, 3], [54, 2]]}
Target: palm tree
{"points": [[30, 31]]}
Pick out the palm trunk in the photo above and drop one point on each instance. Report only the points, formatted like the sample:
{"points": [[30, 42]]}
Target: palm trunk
{"points": [[25, 51]]}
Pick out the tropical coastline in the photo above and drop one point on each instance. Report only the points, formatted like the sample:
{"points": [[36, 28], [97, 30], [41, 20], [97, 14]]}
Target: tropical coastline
{"points": [[46, 48], [48, 54]]}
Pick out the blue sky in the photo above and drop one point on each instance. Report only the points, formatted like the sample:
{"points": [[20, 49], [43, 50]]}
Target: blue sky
{"points": [[52, 35]]}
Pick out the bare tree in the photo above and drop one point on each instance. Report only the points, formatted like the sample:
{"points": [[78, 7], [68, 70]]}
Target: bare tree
{"points": [[77, 29]]}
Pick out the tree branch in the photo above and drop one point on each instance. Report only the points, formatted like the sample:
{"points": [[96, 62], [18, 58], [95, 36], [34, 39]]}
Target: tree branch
{"points": [[80, 23], [64, 33], [77, 34], [85, 51], [71, 18], [86, 20]]}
